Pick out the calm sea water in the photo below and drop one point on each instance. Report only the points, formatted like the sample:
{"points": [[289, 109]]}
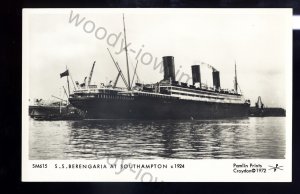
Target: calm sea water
{"points": [[198, 139]]}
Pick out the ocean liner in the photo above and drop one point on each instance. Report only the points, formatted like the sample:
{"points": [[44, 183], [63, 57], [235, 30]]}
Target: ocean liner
{"points": [[166, 99]]}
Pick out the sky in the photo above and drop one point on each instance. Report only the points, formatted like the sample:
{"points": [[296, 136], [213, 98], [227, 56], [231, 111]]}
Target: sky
{"points": [[258, 41]]}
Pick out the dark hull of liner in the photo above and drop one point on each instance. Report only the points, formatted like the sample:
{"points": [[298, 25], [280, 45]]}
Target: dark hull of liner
{"points": [[156, 108]]}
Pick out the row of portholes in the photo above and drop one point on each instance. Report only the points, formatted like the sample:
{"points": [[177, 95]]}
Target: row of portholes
{"points": [[158, 96], [199, 91], [115, 97], [195, 95]]}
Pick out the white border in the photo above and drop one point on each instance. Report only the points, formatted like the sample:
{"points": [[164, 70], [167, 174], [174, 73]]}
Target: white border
{"points": [[218, 170]]}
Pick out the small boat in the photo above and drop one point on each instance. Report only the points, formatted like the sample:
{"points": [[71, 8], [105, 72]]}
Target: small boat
{"points": [[54, 111]]}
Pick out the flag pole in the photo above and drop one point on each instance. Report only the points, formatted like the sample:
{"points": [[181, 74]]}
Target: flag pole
{"points": [[68, 81], [60, 103]]}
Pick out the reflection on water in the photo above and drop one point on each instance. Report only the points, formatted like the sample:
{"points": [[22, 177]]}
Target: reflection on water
{"points": [[198, 139]]}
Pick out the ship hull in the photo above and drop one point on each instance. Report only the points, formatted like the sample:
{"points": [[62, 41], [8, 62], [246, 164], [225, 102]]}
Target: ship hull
{"points": [[153, 108], [46, 112]]}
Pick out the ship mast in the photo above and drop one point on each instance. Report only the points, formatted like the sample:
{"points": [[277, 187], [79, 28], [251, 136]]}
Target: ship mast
{"points": [[126, 54], [235, 79]]}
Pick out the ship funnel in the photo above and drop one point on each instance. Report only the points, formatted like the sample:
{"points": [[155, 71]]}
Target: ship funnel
{"points": [[196, 74], [169, 68], [216, 79]]}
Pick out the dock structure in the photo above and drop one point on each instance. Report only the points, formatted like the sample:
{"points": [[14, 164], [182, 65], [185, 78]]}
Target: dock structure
{"points": [[259, 110]]}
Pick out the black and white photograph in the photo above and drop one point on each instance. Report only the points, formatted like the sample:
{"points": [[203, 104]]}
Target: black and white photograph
{"points": [[142, 88]]}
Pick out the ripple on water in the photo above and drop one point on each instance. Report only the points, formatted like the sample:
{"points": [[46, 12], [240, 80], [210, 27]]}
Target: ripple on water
{"points": [[138, 139]]}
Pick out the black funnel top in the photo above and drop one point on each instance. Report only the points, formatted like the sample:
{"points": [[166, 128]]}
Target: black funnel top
{"points": [[196, 74], [169, 68], [216, 79]]}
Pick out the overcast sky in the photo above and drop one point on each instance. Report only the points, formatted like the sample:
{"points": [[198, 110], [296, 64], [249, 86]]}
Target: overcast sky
{"points": [[258, 40]]}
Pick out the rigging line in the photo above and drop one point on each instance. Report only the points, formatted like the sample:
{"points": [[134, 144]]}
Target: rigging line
{"points": [[65, 92], [240, 89], [72, 81], [137, 76], [59, 98], [118, 68], [134, 73], [122, 75]]}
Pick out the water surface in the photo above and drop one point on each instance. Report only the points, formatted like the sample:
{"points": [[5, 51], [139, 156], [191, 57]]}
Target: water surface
{"points": [[248, 138]]}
